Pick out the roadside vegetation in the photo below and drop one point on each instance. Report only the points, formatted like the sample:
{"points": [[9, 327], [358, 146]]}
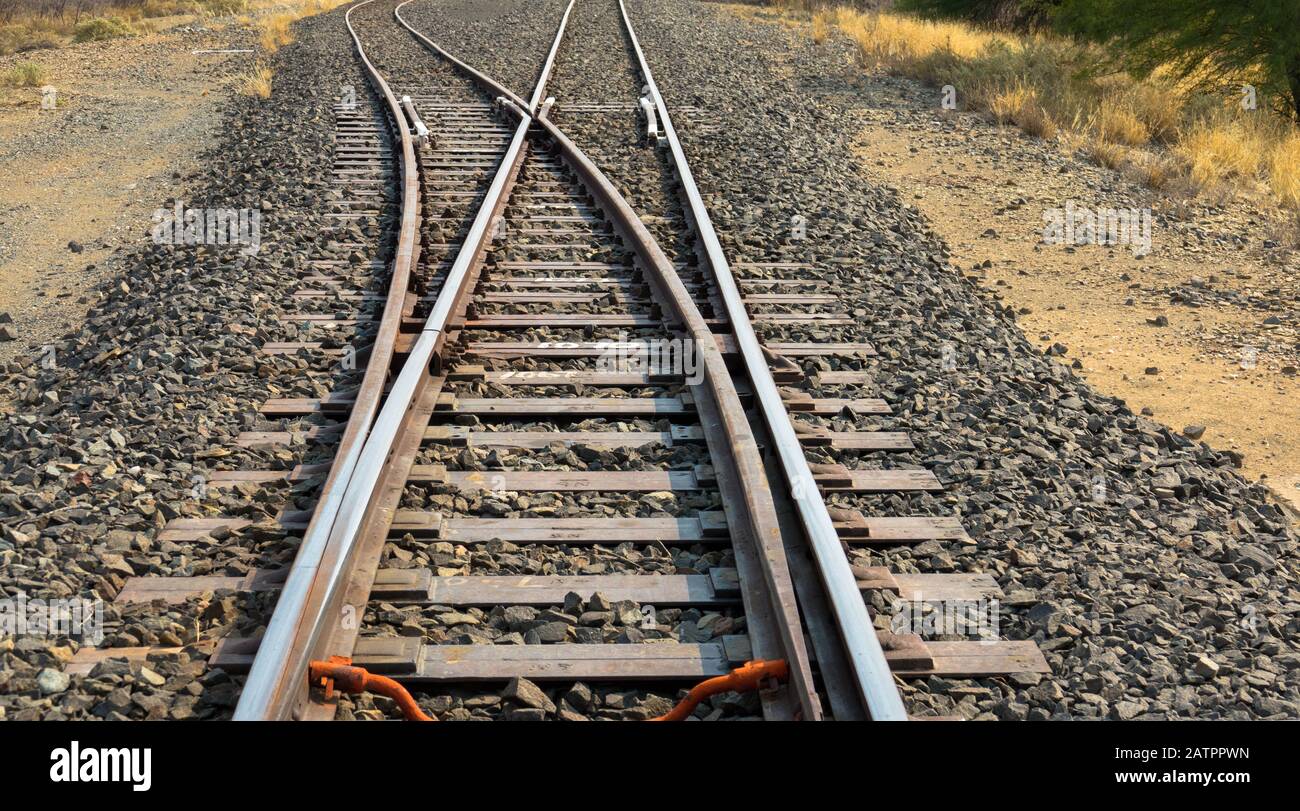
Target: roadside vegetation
{"points": [[31, 25], [25, 74], [275, 31], [255, 83], [100, 28], [1201, 120], [275, 27]]}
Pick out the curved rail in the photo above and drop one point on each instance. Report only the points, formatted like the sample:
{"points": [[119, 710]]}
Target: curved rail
{"points": [[866, 657], [323, 581], [319, 579], [743, 476], [302, 596]]}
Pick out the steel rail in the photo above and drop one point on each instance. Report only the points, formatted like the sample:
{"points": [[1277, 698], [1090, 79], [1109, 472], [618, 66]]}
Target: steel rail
{"points": [[539, 92], [301, 594], [743, 477], [486, 81], [446, 304], [299, 628], [866, 657]]}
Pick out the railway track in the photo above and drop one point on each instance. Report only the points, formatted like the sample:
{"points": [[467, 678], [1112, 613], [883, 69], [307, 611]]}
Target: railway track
{"points": [[565, 456]]}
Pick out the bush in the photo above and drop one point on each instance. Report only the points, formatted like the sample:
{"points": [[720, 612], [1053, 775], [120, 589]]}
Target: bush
{"points": [[223, 8], [1206, 42], [101, 28], [20, 39], [256, 83], [1160, 129], [25, 74]]}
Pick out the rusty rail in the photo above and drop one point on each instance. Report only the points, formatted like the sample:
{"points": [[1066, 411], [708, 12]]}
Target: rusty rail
{"points": [[305, 625], [866, 657], [331, 572], [266, 692]]}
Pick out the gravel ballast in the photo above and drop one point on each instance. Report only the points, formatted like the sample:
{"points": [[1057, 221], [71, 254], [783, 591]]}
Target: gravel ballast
{"points": [[1157, 581]]}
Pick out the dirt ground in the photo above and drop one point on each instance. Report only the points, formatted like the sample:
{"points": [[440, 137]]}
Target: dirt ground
{"points": [[1090, 298], [132, 118]]}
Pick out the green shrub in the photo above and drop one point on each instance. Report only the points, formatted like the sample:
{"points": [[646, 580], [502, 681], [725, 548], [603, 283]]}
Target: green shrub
{"points": [[101, 28], [25, 74], [223, 8]]}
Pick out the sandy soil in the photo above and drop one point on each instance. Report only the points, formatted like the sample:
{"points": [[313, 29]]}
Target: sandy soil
{"points": [[133, 117], [1096, 300]]}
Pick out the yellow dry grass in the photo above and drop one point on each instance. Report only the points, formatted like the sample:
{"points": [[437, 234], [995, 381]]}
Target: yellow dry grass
{"points": [[255, 83], [822, 23], [1158, 107], [1019, 105], [275, 31], [1284, 170], [898, 41], [1108, 154], [1119, 125], [1155, 129], [27, 29], [276, 27], [1219, 151]]}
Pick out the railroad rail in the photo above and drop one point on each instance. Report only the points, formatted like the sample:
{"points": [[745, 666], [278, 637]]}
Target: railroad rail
{"points": [[519, 275]]}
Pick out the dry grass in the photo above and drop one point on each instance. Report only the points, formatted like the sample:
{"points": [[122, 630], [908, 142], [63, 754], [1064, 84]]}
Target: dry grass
{"points": [[1019, 105], [900, 43], [1119, 125], [1159, 131], [275, 31], [256, 83], [1157, 106], [1284, 170], [1219, 151], [1158, 171], [822, 23], [276, 28], [40, 24], [1108, 154]]}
